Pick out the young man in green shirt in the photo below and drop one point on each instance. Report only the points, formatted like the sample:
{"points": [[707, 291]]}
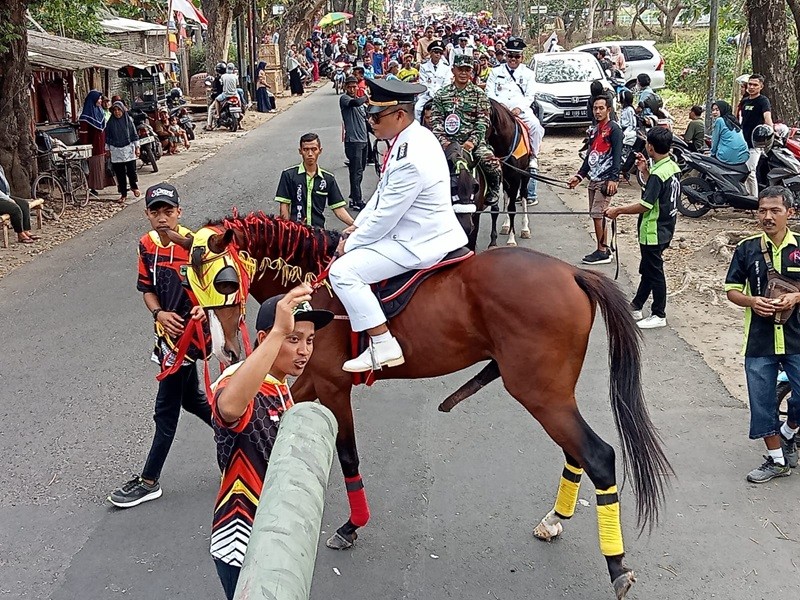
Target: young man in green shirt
{"points": [[695, 134], [657, 212]]}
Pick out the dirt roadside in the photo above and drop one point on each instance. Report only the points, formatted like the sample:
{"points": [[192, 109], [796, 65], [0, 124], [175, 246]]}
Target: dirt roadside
{"points": [[77, 220], [695, 264]]}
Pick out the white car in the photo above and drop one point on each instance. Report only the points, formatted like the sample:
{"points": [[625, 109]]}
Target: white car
{"points": [[641, 56], [561, 82]]}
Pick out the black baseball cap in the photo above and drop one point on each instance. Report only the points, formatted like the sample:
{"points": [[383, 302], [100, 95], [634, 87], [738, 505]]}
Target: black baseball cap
{"points": [[302, 312], [161, 193]]}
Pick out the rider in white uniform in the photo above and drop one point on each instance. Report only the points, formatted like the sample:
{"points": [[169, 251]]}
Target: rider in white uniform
{"points": [[512, 85], [408, 223], [434, 74]]}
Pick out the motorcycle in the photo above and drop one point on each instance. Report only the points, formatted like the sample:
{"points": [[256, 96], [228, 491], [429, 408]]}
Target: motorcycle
{"points": [[638, 144], [339, 75], [720, 185], [230, 113], [175, 102], [149, 144]]}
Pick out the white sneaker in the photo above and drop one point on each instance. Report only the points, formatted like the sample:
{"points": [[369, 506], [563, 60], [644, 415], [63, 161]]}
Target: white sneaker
{"points": [[384, 354], [652, 322], [637, 315]]}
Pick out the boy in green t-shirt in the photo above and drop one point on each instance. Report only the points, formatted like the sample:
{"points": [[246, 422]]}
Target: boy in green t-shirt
{"points": [[695, 134], [657, 212]]}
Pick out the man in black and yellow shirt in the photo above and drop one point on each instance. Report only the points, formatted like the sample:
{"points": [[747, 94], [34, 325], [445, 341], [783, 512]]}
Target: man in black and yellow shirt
{"points": [[305, 190], [768, 344], [172, 306], [657, 211]]}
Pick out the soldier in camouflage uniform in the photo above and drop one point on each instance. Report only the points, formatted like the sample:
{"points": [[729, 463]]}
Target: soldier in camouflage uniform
{"points": [[461, 114]]}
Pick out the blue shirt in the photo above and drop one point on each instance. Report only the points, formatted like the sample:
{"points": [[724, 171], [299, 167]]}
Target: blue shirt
{"points": [[727, 144], [377, 63]]}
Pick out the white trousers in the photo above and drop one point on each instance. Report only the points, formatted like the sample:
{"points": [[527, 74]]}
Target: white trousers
{"points": [[752, 162], [351, 276]]}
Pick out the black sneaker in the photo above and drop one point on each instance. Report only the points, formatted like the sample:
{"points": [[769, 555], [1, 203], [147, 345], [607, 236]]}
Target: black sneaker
{"points": [[357, 205], [134, 493], [598, 257]]}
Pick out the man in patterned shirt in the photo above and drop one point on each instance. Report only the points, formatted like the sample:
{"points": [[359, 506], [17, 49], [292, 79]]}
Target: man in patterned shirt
{"points": [[249, 399], [461, 113], [172, 305]]}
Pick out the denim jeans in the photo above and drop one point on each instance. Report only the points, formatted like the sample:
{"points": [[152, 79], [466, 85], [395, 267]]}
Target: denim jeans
{"points": [[762, 377], [176, 390], [532, 185], [228, 576]]}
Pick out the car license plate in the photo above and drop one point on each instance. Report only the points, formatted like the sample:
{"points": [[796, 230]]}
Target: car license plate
{"points": [[572, 114]]}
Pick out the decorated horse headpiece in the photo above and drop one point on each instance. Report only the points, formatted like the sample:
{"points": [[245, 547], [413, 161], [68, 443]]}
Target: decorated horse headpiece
{"points": [[219, 273]]}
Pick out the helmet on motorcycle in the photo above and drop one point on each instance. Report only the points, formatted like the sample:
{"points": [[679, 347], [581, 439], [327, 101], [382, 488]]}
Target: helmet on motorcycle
{"points": [[230, 68], [220, 68], [175, 93], [781, 132], [763, 137]]}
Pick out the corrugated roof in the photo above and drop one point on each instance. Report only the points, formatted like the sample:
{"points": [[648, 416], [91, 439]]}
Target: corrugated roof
{"points": [[120, 25], [65, 53]]}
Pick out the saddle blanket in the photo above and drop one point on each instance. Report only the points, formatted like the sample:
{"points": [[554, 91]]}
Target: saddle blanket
{"points": [[523, 136], [395, 294]]}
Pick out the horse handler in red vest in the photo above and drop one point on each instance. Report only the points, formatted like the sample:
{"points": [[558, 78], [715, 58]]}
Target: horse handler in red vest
{"points": [[408, 224]]}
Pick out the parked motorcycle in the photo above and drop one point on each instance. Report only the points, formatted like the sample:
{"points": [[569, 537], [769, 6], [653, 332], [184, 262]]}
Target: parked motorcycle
{"points": [[230, 113], [175, 102], [720, 185], [149, 144], [632, 146]]}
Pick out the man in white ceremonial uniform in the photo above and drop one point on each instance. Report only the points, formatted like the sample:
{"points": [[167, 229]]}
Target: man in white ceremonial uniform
{"points": [[408, 223], [434, 75], [512, 85]]}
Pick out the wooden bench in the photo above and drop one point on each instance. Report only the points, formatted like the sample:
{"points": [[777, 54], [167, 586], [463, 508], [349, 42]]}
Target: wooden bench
{"points": [[5, 220]]}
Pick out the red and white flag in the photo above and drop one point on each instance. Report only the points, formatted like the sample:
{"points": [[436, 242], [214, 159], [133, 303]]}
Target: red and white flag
{"points": [[189, 10]]}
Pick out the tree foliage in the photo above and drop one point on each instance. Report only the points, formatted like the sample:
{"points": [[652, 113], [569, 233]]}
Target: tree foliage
{"points": [[78, 19]]}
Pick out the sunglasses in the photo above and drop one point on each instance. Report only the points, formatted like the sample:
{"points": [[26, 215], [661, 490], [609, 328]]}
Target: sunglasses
{"points": [[514, 56], [377, 117]]}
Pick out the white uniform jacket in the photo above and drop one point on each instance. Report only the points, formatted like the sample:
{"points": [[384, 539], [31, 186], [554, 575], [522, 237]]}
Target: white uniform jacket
{"points": [[512, 92], [410, 218], [434, 77]]}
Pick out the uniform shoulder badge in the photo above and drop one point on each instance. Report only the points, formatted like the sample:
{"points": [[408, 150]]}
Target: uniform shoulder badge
{"points": [[402, 151]]}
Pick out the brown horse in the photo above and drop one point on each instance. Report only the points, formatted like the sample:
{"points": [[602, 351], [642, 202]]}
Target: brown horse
{"points": [[467, 314]]}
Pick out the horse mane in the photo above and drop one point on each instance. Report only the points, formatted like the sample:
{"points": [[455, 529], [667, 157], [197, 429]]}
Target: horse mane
{"points": [[500, 117], [293, 244]]}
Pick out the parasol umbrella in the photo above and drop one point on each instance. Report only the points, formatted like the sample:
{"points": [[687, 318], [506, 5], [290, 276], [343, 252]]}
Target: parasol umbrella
{"points": [[334, 18]]}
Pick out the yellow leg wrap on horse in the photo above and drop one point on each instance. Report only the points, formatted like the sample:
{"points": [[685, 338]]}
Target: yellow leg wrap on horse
{"points": [[609, 527], [568, 488]]}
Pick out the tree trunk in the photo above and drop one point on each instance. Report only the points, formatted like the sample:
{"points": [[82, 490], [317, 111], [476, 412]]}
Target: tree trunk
{"points": [[363, 13], [17, 150], [668, 34], [767, 22], [794, 6], [218, 35], [592, 10]]}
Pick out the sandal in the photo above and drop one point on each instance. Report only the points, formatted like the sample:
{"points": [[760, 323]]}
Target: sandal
{"points": [[33, 237], [26, 241], [121, 200]]}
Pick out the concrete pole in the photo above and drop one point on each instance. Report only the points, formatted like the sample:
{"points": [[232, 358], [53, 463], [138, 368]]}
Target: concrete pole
{"points": [[280, 557], [713, 45]]}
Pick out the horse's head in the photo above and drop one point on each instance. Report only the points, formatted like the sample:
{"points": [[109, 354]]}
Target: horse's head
{"points": [[219, 276]]}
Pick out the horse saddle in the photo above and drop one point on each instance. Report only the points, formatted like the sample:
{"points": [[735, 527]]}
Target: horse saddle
{"points": [[395, 293], [521, 145]]}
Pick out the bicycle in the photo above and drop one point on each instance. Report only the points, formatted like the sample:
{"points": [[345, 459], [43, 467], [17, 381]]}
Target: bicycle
{"points": [[63, 179]]}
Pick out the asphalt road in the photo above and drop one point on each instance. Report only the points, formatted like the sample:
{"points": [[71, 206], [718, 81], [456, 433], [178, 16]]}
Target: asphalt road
{"points": [[454, 497]]}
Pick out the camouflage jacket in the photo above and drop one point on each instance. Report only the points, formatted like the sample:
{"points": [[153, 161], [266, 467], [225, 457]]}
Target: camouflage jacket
{"points": [[460, 115]]}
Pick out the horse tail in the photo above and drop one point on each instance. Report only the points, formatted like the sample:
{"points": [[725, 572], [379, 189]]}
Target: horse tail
{"points": [[642, 449]]}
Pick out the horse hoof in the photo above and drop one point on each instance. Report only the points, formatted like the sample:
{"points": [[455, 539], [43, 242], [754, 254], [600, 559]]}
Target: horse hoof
{"points": [[339, 542], [526, 234], [623, 583], [511, 243], [504, 230], [547, 533]]}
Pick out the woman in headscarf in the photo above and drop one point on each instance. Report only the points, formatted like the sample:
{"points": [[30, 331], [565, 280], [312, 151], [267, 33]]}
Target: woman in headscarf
{"points": [[92, 124], [122, 144], [295, 74], [619, 60], [265, 101], [727, 139]]}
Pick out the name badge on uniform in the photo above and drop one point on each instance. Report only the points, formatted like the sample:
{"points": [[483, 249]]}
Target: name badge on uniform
{"points": [[452, 124]]}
